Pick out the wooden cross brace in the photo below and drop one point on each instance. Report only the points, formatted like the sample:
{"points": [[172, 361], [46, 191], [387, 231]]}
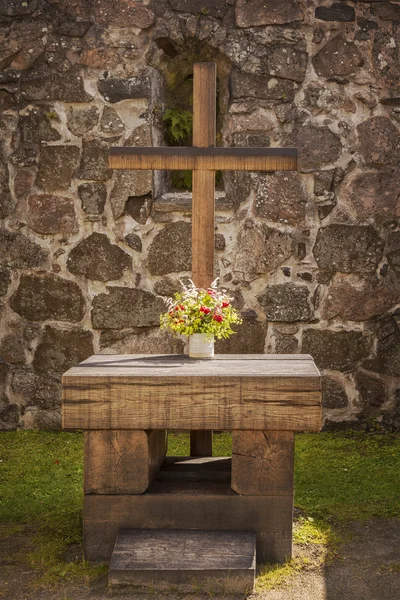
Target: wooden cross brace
{"points": [[203, 159]]}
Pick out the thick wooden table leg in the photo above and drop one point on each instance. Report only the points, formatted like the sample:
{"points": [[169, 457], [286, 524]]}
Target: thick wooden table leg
{"points": [[262, 463], [201, 443], [122, 462]]}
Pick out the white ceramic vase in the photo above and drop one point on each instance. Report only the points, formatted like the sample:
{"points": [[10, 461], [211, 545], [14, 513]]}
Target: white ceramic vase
{"points": [[201, 345]]}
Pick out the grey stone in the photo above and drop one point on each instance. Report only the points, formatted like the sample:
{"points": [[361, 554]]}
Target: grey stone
{"points": [[379, 141], [96, 258], [286, 344], [337, 58], [115, 90], [214, 8], [317, 146], [260, 249], [37, 125], [133, 240], [263, 87], [140, 341], [336, 350], [57, 165], [284, 61], [248, 339], [251, 139], [25, 156], [253, 13], [281, 197], [134, 14], [12, 346], [171, 249], [66, 87], [111, 122], [7, 205], [387, 360], [61, 349], [23, 182], [220, 242], [49, 420], [49, 214], [126, 307], [74, 29], [9, 414], [131, 184], [338, 11], [372, 194], [321, 99], [372, 392], [5, 280], [359, 299], [43, 297], [333, 393], [348, 249], [94, 164], [81, 120], [387, 11], [139, 207], [393, 251], [17, 250], [93, 197], [286, 302], [37, 390], [14, 8]]}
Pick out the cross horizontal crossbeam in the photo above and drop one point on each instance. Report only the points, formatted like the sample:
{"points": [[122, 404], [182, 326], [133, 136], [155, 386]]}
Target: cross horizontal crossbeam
{"points": [[210, 159]]}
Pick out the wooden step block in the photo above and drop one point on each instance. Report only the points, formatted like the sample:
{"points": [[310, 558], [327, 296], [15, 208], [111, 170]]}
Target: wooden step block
{"points": [[195, 560], [189, 505], [186, 468], [122, 462]]}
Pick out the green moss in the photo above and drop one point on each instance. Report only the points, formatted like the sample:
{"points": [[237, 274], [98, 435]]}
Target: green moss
{"points": [[178, 125]]}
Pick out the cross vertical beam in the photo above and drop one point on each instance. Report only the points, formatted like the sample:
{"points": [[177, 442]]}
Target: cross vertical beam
{"points": [[203, 199]]}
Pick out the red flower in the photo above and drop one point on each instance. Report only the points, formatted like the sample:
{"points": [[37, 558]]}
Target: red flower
{"points": [[211, 292], [218, 318], [225, 304], [176, 307], [57, 462], [205, 310], [182, 307]]}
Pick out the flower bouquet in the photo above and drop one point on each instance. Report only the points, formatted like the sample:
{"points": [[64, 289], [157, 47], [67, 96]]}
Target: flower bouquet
{"points": [[201, 315]]}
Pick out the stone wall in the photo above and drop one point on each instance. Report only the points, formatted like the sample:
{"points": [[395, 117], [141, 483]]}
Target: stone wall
{"points": [[312, 258]]}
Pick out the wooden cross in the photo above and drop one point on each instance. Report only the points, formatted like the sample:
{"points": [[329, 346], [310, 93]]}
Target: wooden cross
{"points": [[204, 159]]}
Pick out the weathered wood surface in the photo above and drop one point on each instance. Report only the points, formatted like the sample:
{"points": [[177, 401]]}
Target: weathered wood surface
{"points": [[203, 203], [262, 462], [187, 468], [190, 507], [165, 392], [122, 462], [216, 560], [207, 159]]}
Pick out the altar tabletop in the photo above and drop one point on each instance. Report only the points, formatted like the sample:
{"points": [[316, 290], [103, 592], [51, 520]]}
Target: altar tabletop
{"points": [[250, 391]]}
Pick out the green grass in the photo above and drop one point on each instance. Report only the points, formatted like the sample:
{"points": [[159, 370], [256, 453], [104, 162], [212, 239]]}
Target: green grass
{"points": [[338, 477]]}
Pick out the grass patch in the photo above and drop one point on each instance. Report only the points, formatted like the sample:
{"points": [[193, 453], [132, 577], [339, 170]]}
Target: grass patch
{"points": [[338, 477]]}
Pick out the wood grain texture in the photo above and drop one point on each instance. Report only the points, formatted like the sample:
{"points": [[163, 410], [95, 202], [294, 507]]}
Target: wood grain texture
{"points": [[203, 202], [190, 508], [201, 443], [207, 159], [203, 228], [122, 462], [167, 392], [215, 559], [262, 462]]}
